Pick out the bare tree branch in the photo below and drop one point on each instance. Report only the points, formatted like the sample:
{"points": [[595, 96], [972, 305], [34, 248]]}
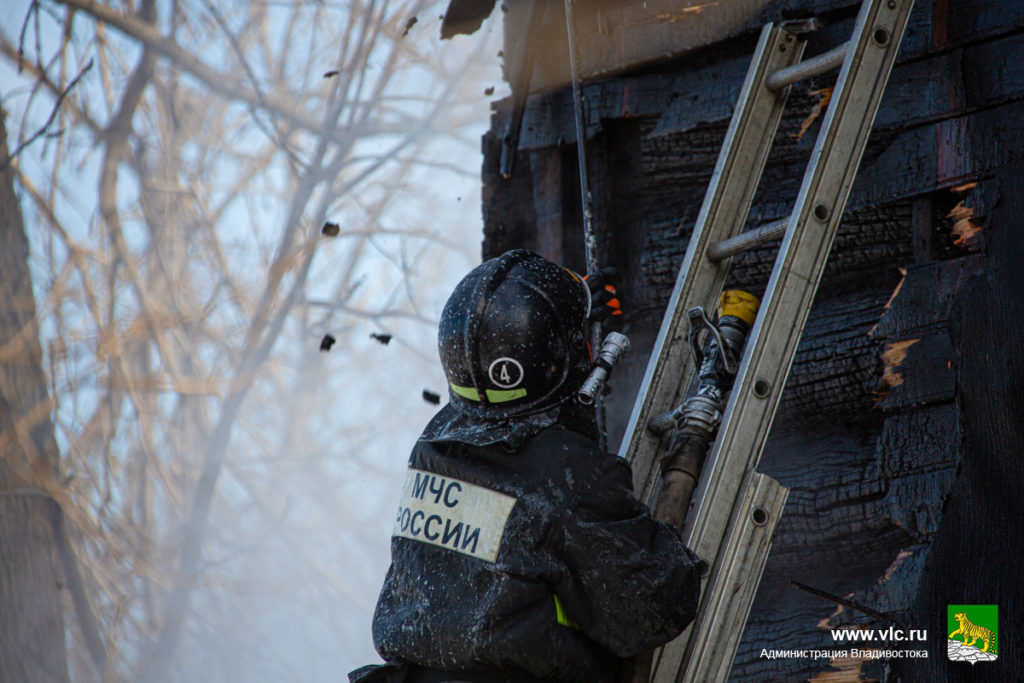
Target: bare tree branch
{"points": [[182, 277], [221, 83], [53, 114]]}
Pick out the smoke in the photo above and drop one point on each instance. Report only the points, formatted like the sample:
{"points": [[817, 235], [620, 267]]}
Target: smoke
{"points": [[230, 486]]}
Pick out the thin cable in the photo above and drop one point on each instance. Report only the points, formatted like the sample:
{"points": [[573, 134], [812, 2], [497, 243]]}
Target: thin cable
{"points": [[586, 198]]}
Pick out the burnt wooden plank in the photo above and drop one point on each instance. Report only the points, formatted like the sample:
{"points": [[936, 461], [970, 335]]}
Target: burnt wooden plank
{"points": [[894, 593], [546, 165], [925, 375], [960, 218], [944, 154], [926, 297], [836, 499], [897, 166], [915, 501], [945, 85], [954, 83], [464, 16], [548, 119], [630, 33], [975, 555], [793, 628], [914, 504], [934, 25], [836, 368], [854, 541], [920, 441], [703, 96], [834, 535], [992, 70], [508, 214], [942, 24], [923, 91], [922, 228], [889, 494], [616, 35], [871, 243]]}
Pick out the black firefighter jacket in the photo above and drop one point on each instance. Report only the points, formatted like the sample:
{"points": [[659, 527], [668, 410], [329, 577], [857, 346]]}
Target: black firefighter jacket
{"points": [[538, 559]]}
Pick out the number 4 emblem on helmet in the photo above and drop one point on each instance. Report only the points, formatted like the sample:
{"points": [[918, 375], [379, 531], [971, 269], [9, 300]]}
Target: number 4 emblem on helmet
{"points": [[506, 372]]}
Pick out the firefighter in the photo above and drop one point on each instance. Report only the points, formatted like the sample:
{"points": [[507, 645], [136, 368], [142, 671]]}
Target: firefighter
{"points": [[519, 552]]}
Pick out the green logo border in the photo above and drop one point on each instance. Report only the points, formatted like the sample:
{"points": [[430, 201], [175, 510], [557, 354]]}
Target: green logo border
{"points": [[986, 616]]}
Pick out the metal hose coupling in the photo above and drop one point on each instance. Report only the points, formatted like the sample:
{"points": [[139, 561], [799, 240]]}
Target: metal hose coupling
{"points": [[716, 350], [613, 349]]}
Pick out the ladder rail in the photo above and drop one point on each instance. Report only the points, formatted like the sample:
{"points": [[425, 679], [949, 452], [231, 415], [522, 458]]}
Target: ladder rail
{"points": [[715, 525], [723, 214], [802, 255], [744, 555]]}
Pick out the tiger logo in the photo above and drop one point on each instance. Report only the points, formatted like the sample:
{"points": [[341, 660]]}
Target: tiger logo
{"points": [[972, 633]]}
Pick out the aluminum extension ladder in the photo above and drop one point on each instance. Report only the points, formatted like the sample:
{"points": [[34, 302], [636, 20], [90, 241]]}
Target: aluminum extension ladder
{"points": [[735, 509]]}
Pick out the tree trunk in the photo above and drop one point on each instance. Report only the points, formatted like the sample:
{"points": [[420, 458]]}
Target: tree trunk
{"points": [[31, 613]]}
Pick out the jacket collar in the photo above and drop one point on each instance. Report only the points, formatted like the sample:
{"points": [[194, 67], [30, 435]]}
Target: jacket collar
{"points": [[451, 425]]}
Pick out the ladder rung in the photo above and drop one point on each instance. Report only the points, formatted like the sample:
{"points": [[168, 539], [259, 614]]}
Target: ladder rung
{"points": [[814, 66], [748, 240]]}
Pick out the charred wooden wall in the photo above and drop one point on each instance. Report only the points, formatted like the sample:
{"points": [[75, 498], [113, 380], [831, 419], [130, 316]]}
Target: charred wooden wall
{"points": [[900, 429]]}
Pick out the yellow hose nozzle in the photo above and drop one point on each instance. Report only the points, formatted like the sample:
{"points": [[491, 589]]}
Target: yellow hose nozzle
{"points": [[740, 304]]}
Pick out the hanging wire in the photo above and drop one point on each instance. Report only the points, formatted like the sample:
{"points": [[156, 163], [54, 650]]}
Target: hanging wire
{"points": [[586, 198]]}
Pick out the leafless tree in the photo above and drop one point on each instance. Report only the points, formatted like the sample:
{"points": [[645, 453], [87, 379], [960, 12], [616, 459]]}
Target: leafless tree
{"points": [[209, 189]]}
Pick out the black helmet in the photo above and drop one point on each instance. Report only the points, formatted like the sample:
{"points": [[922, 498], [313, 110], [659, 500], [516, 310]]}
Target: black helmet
{"points": [[512, 336]]}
